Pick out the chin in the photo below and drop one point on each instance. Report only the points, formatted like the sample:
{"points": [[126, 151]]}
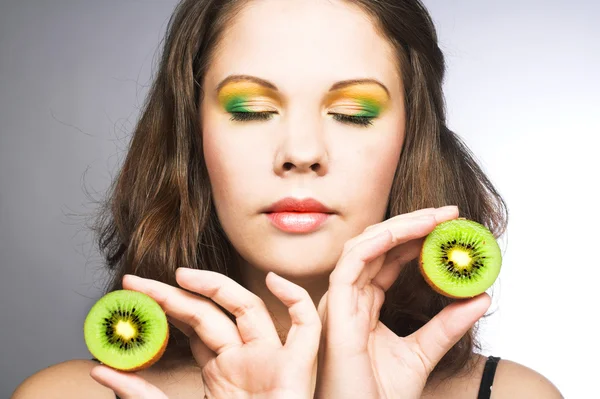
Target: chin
{"points": [[295, 259], [296, 270], [292, 256]]}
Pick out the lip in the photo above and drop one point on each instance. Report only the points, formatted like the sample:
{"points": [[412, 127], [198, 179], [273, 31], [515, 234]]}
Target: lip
{"points": [[294, 215], [298, 222], [290, 204]]}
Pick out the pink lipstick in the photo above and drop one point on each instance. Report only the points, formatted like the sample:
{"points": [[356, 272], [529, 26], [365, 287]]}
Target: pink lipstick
{"points": [[298, 215]]}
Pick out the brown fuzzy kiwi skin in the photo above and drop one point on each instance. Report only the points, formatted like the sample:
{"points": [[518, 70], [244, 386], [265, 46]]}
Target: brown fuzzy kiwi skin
{"points": [[431, 284]]}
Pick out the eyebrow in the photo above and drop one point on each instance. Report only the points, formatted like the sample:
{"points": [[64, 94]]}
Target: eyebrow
{"points": [[336, 86]]}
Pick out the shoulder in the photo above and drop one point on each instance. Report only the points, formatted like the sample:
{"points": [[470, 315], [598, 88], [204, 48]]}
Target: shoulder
{"points": [[63, 380], [514, 380], [511, 381]]}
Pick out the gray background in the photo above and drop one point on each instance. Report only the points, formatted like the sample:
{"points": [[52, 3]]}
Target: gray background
{"points": [[522, 90]]}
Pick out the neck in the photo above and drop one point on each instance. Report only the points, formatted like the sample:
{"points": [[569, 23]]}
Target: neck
{"points": [[254, 280]]}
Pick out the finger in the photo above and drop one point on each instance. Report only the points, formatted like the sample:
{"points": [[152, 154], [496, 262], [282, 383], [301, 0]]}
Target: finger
{"points": [[303, 336], [392, 224], [253, 319], [403, 232], [434, 339], [352, 263], [374, 229], [202, 353], [398, 256], [379, 297], [399, 230], [187, 330], [126, 385], [420, 212], [441, 212], [342, 296], [395, 260], [209, 322], [406, 252]]}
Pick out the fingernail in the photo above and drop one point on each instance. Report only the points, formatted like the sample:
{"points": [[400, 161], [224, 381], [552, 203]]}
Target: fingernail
{"points": [[133, 278], [102, 374], [184, 270], [447, 210]]}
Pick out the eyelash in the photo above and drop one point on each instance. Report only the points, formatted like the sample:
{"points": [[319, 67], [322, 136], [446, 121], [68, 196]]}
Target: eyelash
{"points": [[355, 120]]}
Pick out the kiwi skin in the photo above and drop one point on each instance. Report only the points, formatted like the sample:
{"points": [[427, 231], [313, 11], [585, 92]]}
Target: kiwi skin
{"points": [[430, 282], [108, 360]]}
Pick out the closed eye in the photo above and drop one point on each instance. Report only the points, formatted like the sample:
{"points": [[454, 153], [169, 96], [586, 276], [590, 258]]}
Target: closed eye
{"points": [[251, 116], [351, 119], [356, 120]]}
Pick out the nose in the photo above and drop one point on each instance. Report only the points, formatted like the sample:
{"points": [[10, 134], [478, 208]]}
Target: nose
{"points": [[302, 148]]}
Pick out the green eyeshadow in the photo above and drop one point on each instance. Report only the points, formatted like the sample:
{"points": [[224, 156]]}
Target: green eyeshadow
{"points": [[370, 107], [236, 103]]}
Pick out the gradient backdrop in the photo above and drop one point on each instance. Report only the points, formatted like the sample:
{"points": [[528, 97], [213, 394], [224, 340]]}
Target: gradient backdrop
{"points": [[522, 90]]}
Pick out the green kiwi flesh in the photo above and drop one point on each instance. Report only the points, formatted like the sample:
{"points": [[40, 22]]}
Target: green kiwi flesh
{"points": [[126, 330], [460, 258]]}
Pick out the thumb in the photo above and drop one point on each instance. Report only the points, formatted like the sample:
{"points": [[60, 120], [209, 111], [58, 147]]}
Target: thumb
{"points": [[435, 338], [126, 385]]}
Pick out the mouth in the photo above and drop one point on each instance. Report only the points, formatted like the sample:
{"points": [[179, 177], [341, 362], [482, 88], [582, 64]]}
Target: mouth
{"points": [[294, 215], [290, 204], [298, 222]]}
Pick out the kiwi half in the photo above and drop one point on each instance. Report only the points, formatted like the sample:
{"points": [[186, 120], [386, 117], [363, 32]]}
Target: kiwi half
{"points": [[126, 330], [460, 258]]}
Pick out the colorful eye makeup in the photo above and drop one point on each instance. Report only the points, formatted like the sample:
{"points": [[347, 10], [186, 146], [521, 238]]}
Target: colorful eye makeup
{"points": [[246, 96], [359, 103], [361, 99], [353, 103]]}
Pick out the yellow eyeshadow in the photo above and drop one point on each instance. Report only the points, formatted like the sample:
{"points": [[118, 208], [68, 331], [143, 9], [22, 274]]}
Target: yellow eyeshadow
{"points": [[369, 100], [244, 89], [369, 92]]}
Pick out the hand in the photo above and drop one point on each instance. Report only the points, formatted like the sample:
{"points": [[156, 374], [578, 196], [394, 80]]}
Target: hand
{"points": [[362, 358], [238, 360]]}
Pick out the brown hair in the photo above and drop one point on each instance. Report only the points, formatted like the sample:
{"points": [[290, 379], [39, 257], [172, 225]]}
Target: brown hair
{"points": [[159, 213]]}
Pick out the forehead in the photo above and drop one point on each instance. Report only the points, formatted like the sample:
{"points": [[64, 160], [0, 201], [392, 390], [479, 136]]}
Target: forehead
{"points": [[294, 41]]}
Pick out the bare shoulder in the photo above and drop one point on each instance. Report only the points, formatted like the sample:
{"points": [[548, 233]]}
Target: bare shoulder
{"points": [[64, 380], [71, 379], [511, 381], [514, 381]]}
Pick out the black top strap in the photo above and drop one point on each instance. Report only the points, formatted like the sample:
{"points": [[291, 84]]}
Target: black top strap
{"points": [[96, 360], [487, 379]]}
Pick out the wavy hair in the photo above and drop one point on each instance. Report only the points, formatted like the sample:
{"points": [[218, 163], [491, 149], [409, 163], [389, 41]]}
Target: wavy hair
{"points": [[158, 214]]}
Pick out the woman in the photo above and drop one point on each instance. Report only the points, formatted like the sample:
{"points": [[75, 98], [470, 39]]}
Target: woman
{"points": [[334, 110]]}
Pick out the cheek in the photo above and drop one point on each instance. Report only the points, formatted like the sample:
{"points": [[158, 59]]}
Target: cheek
{"points": [[373, 168], [233, 165]]}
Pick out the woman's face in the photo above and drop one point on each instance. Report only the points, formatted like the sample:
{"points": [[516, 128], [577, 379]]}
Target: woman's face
{"points": [[300, 59]]}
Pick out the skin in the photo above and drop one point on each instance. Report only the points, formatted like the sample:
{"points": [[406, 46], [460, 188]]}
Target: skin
{"points": [[345, 267], [302, 150]]}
